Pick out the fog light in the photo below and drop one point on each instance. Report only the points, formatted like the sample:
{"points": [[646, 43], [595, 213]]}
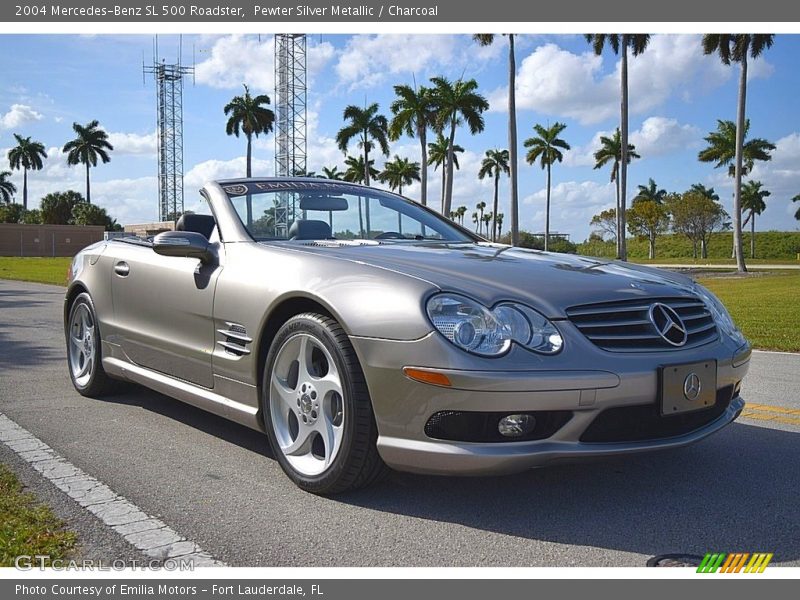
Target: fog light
{"points": [[516, 425]]}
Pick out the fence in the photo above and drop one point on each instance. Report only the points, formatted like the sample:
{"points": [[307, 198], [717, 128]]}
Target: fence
{"points": [[17, 239]]}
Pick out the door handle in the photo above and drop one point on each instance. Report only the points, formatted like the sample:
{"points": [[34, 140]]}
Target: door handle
{"points": [[122, 269]]}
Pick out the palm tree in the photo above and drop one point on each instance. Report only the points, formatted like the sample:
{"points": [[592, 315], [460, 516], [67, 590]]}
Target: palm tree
{"points": [[399, 172], [736, 48], [27, 154], [499, 223], [460, 212], [620, 44], [456, 102], [611, 151], [481, 206], [721, 150], [486, 39], [476, 220], [90, 144], [7, 188], [699, 188], [797, 214], [413, 115], [546, 147], [651, 192], [356, 170], [493, 165], [437, 155], [753, 195], [249, 115], [332, 173], [487, 219], [366, 126]]}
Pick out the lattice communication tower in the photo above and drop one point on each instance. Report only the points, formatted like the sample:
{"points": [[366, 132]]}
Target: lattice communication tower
{"points": [[290, 118], [169, 97]]}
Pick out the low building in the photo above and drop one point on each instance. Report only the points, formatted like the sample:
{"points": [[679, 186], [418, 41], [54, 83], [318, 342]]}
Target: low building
{"points": [[147, 229], [19, 239]]}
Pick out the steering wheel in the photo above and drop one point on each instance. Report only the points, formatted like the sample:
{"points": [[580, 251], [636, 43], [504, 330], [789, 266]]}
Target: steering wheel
{"points": [[390, 235]]}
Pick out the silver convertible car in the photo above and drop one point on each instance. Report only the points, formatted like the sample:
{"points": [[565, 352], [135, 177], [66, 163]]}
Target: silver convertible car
{"points": [[360, 330]]}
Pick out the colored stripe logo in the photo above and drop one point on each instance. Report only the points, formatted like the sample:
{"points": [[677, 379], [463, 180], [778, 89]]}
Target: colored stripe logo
{"points": [[737, 562]]}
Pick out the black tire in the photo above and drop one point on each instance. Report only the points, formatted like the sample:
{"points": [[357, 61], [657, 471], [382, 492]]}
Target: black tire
{"points": [[357, 463], [98, 383]]}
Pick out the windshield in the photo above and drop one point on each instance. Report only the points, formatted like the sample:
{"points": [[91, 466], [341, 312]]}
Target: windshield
{"points": [[326, 210]]}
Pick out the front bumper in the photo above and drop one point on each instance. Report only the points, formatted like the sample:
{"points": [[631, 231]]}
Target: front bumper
{"points": [[442, 458], [584, 380]]}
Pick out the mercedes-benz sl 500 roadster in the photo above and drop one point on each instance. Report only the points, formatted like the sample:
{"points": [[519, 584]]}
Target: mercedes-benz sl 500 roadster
{"points": [[360, 330]]}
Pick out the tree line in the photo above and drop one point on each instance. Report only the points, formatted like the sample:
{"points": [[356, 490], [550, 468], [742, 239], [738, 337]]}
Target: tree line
{"points": [[89, 147], [695, 213], [442, 107]]}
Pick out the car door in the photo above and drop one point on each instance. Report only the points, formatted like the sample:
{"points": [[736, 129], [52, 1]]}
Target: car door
{"points": [[163, 311]]}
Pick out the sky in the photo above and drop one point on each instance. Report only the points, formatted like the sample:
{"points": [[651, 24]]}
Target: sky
{"points": [[676, 96]]}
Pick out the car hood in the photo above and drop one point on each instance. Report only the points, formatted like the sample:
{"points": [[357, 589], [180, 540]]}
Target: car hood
{"points": [[491, 273]]}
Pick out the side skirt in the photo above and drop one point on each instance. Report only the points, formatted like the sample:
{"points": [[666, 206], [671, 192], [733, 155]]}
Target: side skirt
{"points": [[186, 392]]}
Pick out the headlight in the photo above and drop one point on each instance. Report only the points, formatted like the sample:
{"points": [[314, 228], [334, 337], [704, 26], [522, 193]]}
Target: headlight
{"points": [[479, 330], [721, 315]]}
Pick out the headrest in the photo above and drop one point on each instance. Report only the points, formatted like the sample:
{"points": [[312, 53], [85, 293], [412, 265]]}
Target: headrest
{"points": [[203, 224], [307, 229]]}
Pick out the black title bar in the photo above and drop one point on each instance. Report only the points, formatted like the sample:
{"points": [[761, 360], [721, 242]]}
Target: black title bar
{"points": [[473, 11]]}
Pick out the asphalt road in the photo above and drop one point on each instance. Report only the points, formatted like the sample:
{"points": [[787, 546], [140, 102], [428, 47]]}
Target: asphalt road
{"points": [[216, 482]]}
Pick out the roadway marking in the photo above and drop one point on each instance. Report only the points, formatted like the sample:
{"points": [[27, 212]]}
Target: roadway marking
{"points": [[777, 414], [150, 535]]}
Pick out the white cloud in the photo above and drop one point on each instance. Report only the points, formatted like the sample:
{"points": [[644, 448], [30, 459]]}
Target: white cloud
{"points": [[555, 81], [657, 136], [134, 143], [583, 155], [133, 200], [237, 59], [558, 82], [759, 69], [572, 205], [368, 60], [211, 170], [661, 135], [19, 114]]}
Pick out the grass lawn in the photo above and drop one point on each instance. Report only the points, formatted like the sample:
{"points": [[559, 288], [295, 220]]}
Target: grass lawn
{"points": [[41, 270], [27, 527], [765, 308]]}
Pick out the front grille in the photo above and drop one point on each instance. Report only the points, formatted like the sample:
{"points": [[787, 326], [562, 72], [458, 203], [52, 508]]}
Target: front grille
{"points": [[625, 325], [645, 422], [474, 426]]}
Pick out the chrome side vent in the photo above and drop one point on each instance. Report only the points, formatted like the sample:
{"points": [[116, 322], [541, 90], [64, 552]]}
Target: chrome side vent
{"points": [[235, 339]]}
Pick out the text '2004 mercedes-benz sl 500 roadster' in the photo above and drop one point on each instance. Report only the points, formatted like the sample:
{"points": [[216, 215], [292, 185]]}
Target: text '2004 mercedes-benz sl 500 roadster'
{"points": [[360, 330]]}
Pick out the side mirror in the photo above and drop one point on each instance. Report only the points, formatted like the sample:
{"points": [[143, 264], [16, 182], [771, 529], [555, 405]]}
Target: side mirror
{"points": [[187, 244]]}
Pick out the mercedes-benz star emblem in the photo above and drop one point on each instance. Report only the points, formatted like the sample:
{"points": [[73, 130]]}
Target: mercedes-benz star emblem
{"points": [[691, 386], [668, 324]]}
